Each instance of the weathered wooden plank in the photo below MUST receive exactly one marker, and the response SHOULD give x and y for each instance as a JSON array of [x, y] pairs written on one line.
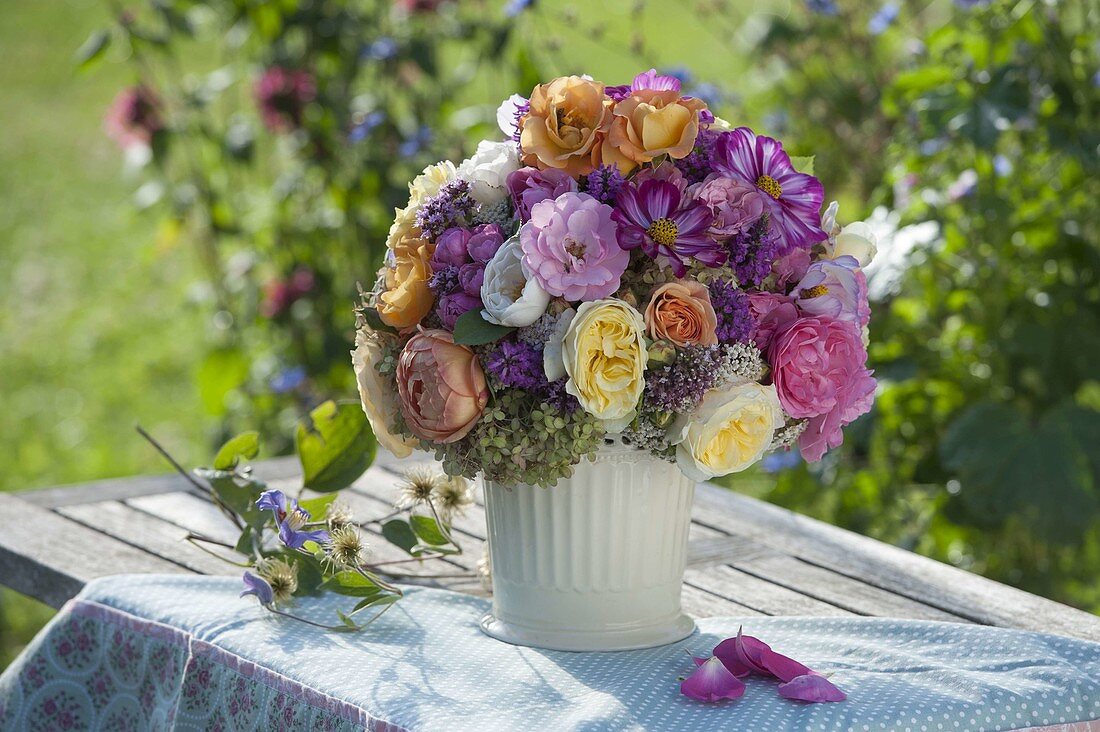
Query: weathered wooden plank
[[760, 595], [121, 488], [188, 511], [147, 533], [50, 557], [891, 568], [702, 604]]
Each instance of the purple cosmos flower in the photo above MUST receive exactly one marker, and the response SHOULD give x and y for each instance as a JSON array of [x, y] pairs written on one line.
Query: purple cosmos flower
[[793, 198], [711, 681], [664, 223], [291, 518], [258, 586], [834, 288]]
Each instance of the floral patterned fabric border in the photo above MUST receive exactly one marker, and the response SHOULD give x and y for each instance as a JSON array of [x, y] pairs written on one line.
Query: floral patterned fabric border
[[185, 653]]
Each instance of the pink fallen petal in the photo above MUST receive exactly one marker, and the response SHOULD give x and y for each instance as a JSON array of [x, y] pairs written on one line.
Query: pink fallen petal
[[811, 688], [699, 661], [742, 655], [711, 682], [783, 667]]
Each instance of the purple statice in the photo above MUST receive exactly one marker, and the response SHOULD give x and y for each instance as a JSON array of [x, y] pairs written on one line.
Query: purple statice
[[446, 280], [556, 396], [678, 387], [731, 305], [751, 253], [452, 206], [517, 364], [696, 166], [604, 183]]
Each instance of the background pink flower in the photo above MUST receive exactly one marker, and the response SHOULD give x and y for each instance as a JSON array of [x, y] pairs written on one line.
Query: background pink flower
[[441, 387], [819, 370], [133, 117], [282, 95], [571, 248]]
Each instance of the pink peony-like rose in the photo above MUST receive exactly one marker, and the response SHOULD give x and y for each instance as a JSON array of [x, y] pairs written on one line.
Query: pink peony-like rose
[[571, 248], [735, 205], [484, 242], [529, 186], [770, 313], [791, 268], [441, 387], [819, 367]]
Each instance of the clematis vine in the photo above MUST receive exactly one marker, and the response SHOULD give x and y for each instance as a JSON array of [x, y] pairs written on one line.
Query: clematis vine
[[291, 519]]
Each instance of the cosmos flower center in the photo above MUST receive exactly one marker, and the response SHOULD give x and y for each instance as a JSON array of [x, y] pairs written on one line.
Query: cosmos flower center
[[770, 186], [663, 231], [815, 291]]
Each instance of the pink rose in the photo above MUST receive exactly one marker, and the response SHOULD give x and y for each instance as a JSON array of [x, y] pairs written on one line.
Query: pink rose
[[819, 367], [791, 268], [529, 186], [770, 313], [441, 387], [735, 205]]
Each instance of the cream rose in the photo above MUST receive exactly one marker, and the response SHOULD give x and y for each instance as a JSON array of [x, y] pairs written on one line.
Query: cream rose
[[604, 353], [510, 295], [729, 430], [858, 240], [424, 186], [377, 394]]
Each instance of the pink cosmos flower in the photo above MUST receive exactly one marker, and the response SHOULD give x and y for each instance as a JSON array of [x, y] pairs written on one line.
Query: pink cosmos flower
[[282, 95], [834, 288], [441, 387], [734, 204], [661, 219], [571, 248], [529, 186], [133, 117], [793, 198], [819, 370]]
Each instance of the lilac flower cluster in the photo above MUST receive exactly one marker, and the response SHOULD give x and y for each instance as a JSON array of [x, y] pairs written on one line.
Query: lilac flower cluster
[[731, 305], [698, 163], [679, 386], [517, 364], [458, 266], [452, 206], [751, 254], [604, 183]]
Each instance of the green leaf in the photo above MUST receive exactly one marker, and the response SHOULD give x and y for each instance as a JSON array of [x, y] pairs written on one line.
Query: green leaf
[[803, 164], [386, 599], [317, 506], [399, 533], [335, 446], [374, 320], [352, 584], [244, 544], [473, 330], [221, 372], [92, 49], [427, 529], [238, 494], [245, 445]]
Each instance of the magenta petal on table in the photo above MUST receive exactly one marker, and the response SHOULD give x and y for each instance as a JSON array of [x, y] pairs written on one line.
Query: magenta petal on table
[[741, 655], [711, 682], [811, 688], [782, 667]]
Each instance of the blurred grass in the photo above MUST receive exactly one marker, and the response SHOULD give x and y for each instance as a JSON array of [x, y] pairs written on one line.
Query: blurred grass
[[95, 332]]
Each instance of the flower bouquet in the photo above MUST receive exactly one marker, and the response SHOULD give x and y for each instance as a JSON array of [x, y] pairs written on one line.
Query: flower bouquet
[[622, 297]]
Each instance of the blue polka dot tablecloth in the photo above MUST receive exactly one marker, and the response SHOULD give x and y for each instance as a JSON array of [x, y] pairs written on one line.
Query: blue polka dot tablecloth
[[156, 652]]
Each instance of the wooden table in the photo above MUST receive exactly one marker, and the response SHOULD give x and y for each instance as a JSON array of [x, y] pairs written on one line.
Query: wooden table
[[746, 557]]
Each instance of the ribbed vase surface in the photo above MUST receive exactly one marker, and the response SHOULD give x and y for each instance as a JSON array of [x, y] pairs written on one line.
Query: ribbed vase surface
[[594, 563]]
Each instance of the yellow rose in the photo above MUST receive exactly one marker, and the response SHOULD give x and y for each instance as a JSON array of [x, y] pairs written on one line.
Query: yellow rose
[[651, 123], [378, 395], [729, 430], [604, 354], [424, 186], [407, 298]]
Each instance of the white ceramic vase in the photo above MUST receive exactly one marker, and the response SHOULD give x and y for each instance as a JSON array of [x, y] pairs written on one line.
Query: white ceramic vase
[[596, 562]]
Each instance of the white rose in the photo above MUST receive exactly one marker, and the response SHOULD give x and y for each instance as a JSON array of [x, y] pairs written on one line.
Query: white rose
[[507, 113], [730, 430], [510, 295], [423, 186], [378, 395], [858, 240], [828, 220], [553, 360], [487, 170]]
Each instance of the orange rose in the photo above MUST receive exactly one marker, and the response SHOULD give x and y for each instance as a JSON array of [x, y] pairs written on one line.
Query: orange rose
[[651, 123], [565, 125], [407, 298], [681, 312], [441, 387]]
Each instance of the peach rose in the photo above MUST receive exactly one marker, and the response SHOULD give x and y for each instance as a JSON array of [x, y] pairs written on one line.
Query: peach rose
[[651, 123], [565, 125], [441, 387], [407, 298], [681, 312]]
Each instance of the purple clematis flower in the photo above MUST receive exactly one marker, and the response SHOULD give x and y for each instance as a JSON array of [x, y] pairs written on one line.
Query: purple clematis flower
[[664, 222], [291, 518], [793, 199], [711, 682], [258, 586]]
